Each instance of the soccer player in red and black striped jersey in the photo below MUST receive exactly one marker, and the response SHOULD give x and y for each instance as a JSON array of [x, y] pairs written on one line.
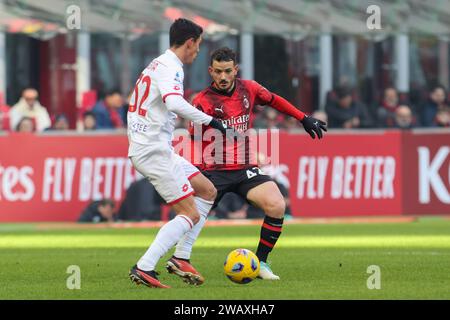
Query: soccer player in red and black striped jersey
[[231, 100]]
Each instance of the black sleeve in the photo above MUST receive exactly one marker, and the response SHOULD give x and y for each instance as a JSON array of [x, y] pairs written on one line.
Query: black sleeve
[[86, 216], [365, 118], [336, 115], [89, 213]]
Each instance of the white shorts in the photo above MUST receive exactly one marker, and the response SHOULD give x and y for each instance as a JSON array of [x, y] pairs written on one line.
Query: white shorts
[[168, 172]]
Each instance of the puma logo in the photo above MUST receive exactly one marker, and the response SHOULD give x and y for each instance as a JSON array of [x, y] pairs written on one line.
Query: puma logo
[[219, 109]]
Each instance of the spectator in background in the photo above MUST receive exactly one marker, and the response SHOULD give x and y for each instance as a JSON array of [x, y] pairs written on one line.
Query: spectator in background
[[290, 123], [99, 211], [320, 115], [437, 101], [60, 123], [403, 117], [386, 112], [268, 119], [29, 106], [272, 119], [443, 118], [26, 124], [265, 117], [345, 112], [231, 206], [108, 111], [89, 121], [259, 117]]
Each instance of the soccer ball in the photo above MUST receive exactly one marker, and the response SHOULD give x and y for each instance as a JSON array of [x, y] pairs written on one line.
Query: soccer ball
[[241, 266]]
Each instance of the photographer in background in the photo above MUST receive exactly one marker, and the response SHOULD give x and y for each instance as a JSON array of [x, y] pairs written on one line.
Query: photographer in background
[[99, 211]]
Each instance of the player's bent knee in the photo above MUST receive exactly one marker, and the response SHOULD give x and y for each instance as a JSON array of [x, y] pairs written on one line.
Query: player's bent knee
[[209, 192], [204, 188], [187, 207], [195, 217], [275, 208]]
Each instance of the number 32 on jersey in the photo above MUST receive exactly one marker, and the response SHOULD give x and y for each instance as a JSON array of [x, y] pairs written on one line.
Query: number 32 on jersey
[[142, 85]]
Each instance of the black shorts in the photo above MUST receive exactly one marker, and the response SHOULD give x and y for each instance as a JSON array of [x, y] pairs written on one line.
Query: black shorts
[[237, 181]]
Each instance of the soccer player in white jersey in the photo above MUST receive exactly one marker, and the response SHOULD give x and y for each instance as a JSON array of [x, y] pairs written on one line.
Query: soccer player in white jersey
[[154, 105]]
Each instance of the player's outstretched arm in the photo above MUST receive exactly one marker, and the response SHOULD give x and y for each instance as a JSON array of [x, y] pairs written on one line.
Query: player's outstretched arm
[[311, 125], [177, 104]]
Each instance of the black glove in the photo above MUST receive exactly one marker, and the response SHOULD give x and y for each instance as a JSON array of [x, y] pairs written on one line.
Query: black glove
[[219, 125], [312, 125]]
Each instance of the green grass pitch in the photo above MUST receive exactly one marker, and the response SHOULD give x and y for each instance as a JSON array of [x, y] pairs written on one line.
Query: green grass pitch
[[314, 261]]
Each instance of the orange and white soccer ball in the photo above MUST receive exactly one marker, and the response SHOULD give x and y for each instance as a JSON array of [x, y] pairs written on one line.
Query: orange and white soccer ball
[[241, 266]]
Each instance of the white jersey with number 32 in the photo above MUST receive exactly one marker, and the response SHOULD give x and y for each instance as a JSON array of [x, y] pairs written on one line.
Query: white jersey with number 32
[[149, 120]]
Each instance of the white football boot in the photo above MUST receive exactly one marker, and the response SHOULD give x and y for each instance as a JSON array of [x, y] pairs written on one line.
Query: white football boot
[[266, 273]]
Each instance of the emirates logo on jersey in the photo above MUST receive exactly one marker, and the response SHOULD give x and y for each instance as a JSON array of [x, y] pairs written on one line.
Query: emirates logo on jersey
[[239, 123], [245, 102]]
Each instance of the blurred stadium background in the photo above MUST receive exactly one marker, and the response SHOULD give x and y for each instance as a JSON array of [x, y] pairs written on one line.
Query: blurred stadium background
[[392, 160]]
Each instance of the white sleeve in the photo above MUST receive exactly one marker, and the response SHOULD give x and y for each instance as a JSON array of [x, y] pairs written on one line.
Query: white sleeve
[[170, 82], [177, 104]]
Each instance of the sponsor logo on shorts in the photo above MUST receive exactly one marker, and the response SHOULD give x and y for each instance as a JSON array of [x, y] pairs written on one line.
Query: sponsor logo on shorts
[[254, 172], [251, 174]]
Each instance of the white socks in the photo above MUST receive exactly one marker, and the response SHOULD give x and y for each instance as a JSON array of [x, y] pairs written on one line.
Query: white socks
[[184, 246], [166, 238]]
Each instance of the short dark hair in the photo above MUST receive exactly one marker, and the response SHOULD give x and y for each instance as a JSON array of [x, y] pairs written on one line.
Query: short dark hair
[[103, 93], [183, 29], [112, 91], [437, 86], [343, 91], [223, 54], [61, 116], [106, 202], [89, 114]]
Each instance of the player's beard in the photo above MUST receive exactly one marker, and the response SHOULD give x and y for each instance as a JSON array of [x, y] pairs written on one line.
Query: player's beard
[[227, 89]]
